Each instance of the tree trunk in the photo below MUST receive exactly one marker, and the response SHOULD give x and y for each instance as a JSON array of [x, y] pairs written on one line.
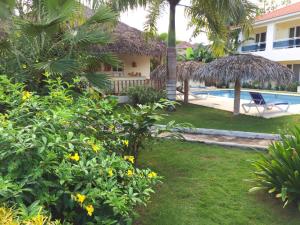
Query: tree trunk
[[237, 97], [186, 91], [171, 54]]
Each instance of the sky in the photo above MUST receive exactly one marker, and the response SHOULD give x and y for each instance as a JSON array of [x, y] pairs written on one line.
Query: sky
[[136, 18]]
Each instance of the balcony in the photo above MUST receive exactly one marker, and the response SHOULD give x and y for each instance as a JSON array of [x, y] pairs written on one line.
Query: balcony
[[254, 47], [286, 43]]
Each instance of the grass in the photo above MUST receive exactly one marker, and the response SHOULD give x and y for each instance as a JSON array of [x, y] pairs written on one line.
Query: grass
[[204, 117], [204, 185]]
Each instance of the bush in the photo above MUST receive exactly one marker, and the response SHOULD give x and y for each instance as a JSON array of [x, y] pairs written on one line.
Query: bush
[[69, 155], [278, 171], [145, 95], [31, 216]]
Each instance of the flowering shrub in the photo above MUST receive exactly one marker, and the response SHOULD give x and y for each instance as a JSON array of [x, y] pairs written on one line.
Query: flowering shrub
[[66, 154]]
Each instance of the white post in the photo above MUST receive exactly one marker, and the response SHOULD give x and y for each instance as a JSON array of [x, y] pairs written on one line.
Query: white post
[[241, 38], [270, 36]]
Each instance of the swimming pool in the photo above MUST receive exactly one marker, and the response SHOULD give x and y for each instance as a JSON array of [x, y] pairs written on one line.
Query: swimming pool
[[269, 97]]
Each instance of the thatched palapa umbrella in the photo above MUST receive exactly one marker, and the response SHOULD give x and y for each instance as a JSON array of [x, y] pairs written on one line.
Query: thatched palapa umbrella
[[243, 67], [184, 71]]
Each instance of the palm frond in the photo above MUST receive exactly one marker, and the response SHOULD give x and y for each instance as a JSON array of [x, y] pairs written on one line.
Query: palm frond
[[94, 60], [154, 10], [102, 15], [99, 80], [60, 66], [84, 36], [6, 8]]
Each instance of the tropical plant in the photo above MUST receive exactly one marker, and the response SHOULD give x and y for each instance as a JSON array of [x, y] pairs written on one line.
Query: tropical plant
[[201, 53], [13, 216], [55, 37], [224, 34], [278, 172], [139, 125], [145, 95], [69, 156]]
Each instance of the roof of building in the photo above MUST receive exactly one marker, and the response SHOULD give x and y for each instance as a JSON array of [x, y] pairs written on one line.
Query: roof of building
[[129, 40], [290, 9]]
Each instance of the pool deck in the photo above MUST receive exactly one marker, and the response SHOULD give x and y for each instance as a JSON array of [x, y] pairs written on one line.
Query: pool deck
[[226, 104]]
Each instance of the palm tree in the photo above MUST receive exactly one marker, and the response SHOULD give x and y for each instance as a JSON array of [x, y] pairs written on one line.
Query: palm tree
[[55, 38], [204, 14]]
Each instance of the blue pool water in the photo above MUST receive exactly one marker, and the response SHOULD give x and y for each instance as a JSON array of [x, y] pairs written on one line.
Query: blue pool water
[[269, 97]]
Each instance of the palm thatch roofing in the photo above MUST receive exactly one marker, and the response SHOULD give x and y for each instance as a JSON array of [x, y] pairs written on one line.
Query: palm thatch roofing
[[243, 67], [129, 40], [184, 71]]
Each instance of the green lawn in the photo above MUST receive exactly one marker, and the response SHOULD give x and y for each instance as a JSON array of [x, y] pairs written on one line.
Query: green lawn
[[204, 117], [204, 185]]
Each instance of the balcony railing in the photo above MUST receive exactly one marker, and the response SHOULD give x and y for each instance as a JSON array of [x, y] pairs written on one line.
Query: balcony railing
[[255, 47], [287, 43]]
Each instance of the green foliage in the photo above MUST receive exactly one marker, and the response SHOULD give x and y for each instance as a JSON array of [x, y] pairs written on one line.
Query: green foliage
[[278, 172], [145, 95], [138, 124], [68, 155], [35, 216], [55, 38], [201, 53]]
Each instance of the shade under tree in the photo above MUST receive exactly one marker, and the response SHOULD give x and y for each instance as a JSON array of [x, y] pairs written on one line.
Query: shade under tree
[[243, 68], [184, 71]]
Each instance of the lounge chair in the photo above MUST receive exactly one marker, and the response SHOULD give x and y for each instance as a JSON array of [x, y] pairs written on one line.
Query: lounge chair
[[199, 96], [257, 100]]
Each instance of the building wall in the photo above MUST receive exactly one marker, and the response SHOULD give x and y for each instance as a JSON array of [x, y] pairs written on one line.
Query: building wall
[[142, 65], [282, 29]]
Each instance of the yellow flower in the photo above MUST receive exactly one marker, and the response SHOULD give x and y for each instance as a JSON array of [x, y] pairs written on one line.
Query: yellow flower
[[74, 157], [110, 172], [96, 148], [152, 175], [80, 198], [26, 95], [129, 173], [89, 209], [24, 66], [130, 158], [125, 142]]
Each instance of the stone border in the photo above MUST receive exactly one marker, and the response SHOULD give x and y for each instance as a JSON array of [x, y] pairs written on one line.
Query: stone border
[[229, 133]]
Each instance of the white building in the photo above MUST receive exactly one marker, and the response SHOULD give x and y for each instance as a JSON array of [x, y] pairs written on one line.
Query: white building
[[276, 36]]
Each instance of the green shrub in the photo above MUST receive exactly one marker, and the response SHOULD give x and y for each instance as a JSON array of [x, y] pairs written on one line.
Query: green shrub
[[278, 171], [69, 154], [145, 95], [32, 215]]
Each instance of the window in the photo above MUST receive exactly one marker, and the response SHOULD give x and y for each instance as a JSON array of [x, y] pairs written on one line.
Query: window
[[261, 37], [294, 36]]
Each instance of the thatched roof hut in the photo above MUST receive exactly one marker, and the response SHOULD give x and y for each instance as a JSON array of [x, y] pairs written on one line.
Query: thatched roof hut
[[129, 40], [184, 71], [243, 67]]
